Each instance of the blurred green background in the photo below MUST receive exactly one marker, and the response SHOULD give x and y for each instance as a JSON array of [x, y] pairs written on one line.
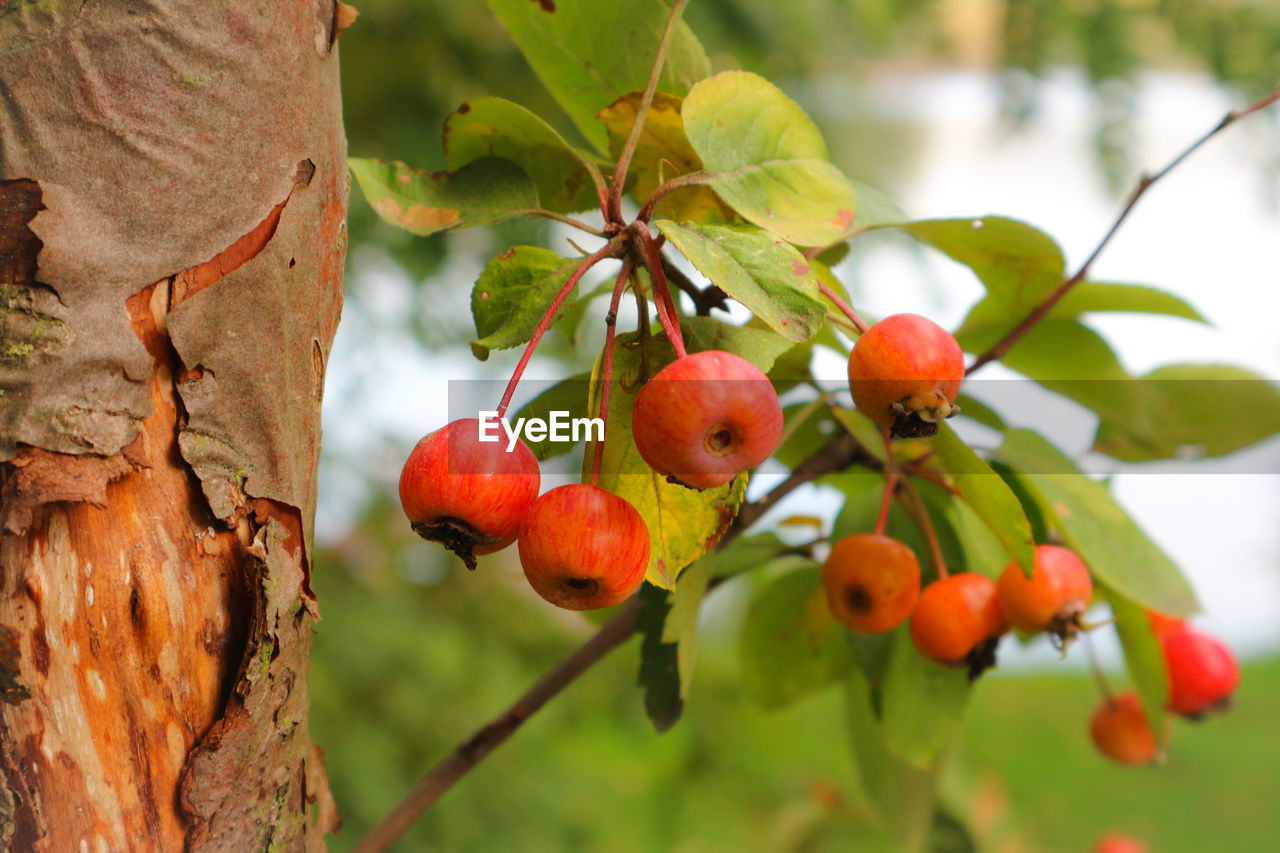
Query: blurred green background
[[414, 653]]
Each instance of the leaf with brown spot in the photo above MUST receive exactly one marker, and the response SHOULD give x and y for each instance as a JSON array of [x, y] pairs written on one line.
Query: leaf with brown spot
[[483, 192]]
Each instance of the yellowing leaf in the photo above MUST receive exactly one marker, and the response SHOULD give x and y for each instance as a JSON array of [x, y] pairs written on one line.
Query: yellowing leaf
[[662, 153]]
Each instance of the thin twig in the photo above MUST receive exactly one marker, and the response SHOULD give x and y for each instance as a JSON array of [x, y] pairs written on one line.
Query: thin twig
[[704, 298], [606, 371], [467, 755], [614, 211], [567, 220], [1002, 346], [845, 308], [690, 179], [608, 250], [662, 301], [926, 526], [890, 483]]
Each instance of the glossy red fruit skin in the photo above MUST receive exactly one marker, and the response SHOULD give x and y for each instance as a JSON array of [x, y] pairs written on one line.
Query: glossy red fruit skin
[[905, 373], [704, 419], [1053, 598], [583, 547], [1203, 672], [1120, 731], [954, 616], [467, 494], [1115, 842], [872, 582]]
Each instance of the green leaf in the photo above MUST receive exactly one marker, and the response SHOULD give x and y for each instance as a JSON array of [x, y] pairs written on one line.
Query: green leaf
[[1193, 411], [589, 53], [682, 621], [481, 193], [662, 152], [1018, 263], [904, 795], [683, 523], [976, 410], [1090, 296], [748, 552], [923, 703], [987, 495], [767, 160], [1143, 657], [861, 428], [567, 395], [494, 127], [512, 293], [763, 272], [977, 548], [791, 644], [1094, 526], [659, 673], [1092, 376], [758, 346]]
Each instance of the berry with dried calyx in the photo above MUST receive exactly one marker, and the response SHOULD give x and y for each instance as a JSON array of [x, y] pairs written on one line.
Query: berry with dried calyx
[[905, 373], [466, 494], [958, 620], [583, 547], [1053, 599]]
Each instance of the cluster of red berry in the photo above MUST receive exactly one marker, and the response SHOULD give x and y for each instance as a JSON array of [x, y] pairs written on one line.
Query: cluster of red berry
[[700, 422], [1202, 674]]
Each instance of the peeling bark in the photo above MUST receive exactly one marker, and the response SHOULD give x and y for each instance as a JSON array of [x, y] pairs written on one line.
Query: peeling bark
[[173, 195]]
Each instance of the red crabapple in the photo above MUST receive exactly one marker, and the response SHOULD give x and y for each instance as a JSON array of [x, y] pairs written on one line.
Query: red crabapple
[[1053, 599], [958, 620], [583, 547], [1203, 672], [1120, 730], [466, 494], [872, 582], [705, 418], [904, 374]]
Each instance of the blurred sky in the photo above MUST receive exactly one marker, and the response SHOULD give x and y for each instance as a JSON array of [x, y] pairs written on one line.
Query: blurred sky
[[1208, 232]]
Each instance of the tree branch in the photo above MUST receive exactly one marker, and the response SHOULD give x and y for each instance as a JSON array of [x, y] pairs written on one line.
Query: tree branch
[[1018, 332], [614, 213]]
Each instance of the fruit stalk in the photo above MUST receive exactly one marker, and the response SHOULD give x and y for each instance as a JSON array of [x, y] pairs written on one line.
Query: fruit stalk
[[611, 325], [661, 293], [608, 250]]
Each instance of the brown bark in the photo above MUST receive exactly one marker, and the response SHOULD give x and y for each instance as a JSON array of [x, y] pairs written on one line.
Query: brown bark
[[172, 203]]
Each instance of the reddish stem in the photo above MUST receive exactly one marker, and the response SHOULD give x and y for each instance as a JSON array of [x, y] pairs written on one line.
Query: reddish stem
[[926, 527], [607, 250], [845, 308], [611, 325], [689, 180], [891, 481], [661, 293], [613, 209], [1018, 332]]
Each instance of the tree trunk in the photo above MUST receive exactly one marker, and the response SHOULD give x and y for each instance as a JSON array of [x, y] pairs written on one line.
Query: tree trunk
[[173, 192]]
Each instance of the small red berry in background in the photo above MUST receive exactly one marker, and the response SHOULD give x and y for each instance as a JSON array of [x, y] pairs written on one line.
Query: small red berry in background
[[466, 494], [958, 619], [1203, 672], [1116, 842], [872, 582], [1121, 732], [583, 547], [1053, 599], [705, 418], [905, 374]]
